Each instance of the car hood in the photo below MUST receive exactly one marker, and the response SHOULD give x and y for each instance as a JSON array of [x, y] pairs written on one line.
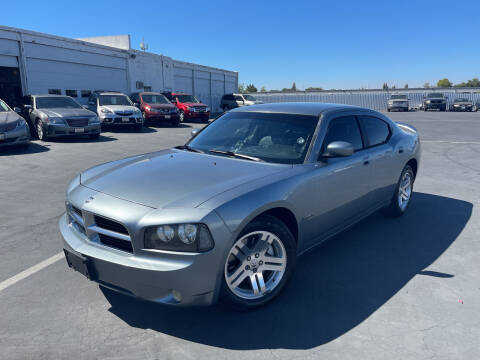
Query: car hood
[[114, 108], [398, 100], [462, 103], [60, 112], [174, 178], [8, 116]]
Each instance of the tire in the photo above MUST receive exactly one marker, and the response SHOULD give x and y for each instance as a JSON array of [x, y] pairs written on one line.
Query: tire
[[243, 268], [174, 123], [181, 116], [225, 108], [138, 127], [396, 208], [425, 108], [40, 133], [388, 110]]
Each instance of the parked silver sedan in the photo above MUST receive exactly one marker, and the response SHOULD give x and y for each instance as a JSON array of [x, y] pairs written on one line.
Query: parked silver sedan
[[14, 129], [225, 216]]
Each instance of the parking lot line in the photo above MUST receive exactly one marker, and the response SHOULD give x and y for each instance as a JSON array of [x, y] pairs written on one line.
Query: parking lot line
[[30, 271], [451, 142]]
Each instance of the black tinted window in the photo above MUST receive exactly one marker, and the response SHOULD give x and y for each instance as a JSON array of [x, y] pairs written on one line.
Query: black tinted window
[[344, 129], [377, 130]]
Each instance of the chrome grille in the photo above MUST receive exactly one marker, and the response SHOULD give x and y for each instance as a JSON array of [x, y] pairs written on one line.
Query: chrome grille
[[116, 243], [199, 108], [124, 113]]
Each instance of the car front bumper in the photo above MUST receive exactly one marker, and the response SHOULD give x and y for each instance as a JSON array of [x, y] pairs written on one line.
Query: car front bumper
[[462, 107], [397, 107], [435, 106], [14, 137], [121, 120], [197, 115], [54, 130], [162, 116], [173, 278]]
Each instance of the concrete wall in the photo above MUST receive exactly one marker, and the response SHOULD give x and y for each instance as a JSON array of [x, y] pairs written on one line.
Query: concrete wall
[[52, 62]]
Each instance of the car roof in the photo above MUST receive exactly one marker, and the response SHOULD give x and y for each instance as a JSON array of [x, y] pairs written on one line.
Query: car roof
[[110, 93], [299, 108], [49, 95], [149, 93]]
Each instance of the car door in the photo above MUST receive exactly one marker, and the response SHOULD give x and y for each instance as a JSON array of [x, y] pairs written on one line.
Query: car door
[[383, 170], [341, 183]]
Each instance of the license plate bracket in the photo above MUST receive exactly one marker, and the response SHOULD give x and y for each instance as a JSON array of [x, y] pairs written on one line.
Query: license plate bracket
[[125, 119], [167, 116], [79, 130], [82, 264], [2, 136]]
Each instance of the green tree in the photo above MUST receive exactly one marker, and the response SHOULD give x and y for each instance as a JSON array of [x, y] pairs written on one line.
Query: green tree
[[426, 85], [313, 89], [470, 83], [385, 86], [406, 86], [262, 89], [241, 88], [251, 89], [294, 87], [444, 83]]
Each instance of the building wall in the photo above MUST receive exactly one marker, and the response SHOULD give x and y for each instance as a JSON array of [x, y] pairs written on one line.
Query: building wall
[[51, 62]]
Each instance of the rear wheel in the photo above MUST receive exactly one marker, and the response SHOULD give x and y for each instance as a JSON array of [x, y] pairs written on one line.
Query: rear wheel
[[259, 264], [403, 192]]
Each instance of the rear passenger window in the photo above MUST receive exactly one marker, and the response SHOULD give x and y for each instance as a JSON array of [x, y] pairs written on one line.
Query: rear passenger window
[[377, 130], [344, 129]]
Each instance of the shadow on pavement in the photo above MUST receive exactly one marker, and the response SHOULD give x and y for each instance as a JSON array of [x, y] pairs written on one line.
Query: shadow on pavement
[[333, 289], [81, 139], [128, 129], [32, 148]]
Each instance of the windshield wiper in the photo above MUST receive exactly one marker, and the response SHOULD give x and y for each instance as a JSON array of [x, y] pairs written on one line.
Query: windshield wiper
[[188, 148], [234, 154]]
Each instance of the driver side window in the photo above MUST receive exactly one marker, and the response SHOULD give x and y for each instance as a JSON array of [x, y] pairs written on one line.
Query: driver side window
[[343, 129]]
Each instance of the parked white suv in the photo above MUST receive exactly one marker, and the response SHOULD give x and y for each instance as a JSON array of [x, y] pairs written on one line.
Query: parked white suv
[[232, 101], [114, 108]]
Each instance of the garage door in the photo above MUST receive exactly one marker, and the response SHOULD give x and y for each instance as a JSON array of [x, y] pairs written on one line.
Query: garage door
[[51, 74]]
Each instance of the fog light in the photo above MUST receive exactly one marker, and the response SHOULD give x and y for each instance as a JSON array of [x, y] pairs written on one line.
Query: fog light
[[176, 295]]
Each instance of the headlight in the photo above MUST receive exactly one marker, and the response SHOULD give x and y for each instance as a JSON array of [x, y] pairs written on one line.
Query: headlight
[[428, 101], [180, 237], [106, 111], [94, 120], [137, 111], [52, 120], [148, 108]]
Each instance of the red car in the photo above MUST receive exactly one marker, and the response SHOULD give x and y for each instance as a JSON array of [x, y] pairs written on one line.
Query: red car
[[189, 107], [155, 107]]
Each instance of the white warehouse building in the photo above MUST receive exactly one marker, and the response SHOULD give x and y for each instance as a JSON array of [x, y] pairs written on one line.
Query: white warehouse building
[[36, 63]]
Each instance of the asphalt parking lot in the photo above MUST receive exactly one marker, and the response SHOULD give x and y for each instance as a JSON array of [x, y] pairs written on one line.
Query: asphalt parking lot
[[387, 288]]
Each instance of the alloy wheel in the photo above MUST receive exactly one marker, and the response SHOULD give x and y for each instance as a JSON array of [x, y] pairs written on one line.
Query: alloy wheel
[[255, 265], [405, 190], [39, 130]]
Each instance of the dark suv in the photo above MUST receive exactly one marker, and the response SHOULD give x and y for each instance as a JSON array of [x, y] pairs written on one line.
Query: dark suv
[[435, 101], [155, 107]]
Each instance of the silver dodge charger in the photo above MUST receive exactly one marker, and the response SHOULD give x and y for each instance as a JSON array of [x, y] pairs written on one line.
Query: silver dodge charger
[[225, 216]]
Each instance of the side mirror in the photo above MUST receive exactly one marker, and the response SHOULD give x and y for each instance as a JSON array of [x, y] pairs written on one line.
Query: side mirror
[[17, 110], [194, 132], [28, 107], [136, 104], [339, 149]]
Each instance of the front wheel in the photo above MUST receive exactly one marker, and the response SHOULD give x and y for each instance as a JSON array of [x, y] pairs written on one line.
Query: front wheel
[[181, 116], [138, 127], [258, 264], [403, 192], [40, 133]]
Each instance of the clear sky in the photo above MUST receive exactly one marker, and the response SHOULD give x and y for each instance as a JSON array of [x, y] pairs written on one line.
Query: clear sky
[[329, 44]]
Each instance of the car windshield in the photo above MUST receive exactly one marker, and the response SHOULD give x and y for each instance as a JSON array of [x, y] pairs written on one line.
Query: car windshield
[[249, 98], [155, 99], [56, 102], [435, 95], [187, 99], [3, 107], [402, 97], [276, 138], [461, 100], [114, 100]]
